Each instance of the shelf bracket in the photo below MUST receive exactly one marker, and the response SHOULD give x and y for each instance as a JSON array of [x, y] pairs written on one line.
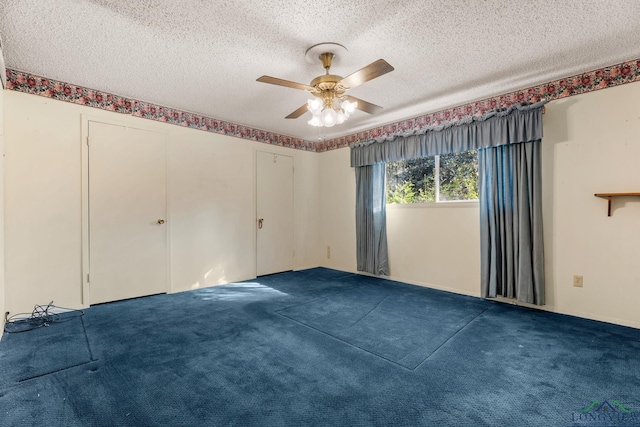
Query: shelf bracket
[[610, 196]]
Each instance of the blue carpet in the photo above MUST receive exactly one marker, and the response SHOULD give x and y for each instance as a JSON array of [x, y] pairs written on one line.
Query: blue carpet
[[320, 347], [414, 323], [52, 348]]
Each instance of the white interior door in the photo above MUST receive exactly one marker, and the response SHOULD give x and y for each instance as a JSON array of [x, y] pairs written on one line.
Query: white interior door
[[274, 213], [127, 213]]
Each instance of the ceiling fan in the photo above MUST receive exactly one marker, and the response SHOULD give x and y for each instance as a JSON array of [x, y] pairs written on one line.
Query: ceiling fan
[[331, 104]]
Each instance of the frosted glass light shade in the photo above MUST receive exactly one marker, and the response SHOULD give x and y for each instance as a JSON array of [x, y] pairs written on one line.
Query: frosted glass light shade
[[315, 120], [348, 107], [329, 117], [314, 106], [324, 116]]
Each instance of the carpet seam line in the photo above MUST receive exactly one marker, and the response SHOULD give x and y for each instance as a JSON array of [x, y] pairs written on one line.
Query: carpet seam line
[[452, 336], [316, 299], [86, 338], [369, 312], [55, 372], [344, 342]]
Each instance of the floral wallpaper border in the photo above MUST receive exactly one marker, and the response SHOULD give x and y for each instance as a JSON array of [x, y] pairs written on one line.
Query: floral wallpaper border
[[615, 75], [42, 86]]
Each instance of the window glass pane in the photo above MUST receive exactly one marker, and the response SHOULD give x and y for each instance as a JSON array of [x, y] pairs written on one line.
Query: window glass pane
[[414, 181], [411, 181], [459, 176]]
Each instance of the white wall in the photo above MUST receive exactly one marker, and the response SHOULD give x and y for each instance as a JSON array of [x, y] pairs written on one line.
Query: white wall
[[427, 244], [211, 202], [591, 145], [443, 239], [338, 210]]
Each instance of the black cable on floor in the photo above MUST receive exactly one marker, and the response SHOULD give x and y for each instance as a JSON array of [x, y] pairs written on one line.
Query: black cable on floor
[[42, 315]]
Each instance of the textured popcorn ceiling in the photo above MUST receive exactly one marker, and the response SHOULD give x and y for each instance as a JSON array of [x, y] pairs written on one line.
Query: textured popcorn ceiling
[[204, 56]]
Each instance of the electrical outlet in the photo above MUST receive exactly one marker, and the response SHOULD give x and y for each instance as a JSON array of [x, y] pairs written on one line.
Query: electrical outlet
[[328, 252], [577, 281]]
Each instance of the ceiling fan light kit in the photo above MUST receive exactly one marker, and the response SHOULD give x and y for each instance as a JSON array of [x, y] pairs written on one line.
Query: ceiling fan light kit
[[328, 110], [330, 105]]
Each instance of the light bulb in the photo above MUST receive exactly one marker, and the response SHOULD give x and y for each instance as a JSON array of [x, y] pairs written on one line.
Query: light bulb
[[348, 107], [341, 117], [329, 117], [315, 120], [314, 105]]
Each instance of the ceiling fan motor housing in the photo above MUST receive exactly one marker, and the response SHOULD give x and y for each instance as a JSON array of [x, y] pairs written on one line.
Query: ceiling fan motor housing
[[328, 88]]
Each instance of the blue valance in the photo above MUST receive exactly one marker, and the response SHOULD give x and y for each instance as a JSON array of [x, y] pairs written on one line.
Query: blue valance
[[518, 123]]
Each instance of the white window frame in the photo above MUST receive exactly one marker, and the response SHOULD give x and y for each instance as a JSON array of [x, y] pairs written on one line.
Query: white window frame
[[437, 203]]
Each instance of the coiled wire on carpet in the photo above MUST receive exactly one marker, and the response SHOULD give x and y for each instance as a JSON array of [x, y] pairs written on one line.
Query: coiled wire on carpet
[[42, 315]]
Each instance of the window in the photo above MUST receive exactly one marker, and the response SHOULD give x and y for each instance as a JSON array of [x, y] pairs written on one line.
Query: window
[[442, 178]]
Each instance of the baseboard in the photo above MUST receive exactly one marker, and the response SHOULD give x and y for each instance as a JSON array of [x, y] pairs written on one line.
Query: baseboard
[[438, 287], [574, 313], [415, 283], [549, 308]]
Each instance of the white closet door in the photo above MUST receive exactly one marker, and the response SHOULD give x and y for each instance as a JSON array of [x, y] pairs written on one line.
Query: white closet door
[[274, 213], [127, 213]]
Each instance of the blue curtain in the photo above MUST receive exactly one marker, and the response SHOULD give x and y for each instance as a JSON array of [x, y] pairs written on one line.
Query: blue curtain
[[508, 143], [371, 220], [512, 257], [518, 123]]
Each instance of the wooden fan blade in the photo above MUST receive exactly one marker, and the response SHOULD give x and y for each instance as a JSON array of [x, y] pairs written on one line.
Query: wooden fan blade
[[365, 106], [286, 83], [300, 111], [370, 72]]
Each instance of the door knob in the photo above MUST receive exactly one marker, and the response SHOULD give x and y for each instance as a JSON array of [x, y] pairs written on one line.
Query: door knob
[[260, 221], [161, 221]]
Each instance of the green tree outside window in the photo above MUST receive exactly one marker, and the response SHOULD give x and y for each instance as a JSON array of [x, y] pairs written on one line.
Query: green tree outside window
[[447, 177]]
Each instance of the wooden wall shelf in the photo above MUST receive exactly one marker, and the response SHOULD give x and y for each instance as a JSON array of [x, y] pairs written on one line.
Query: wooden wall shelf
[[610, 196]]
